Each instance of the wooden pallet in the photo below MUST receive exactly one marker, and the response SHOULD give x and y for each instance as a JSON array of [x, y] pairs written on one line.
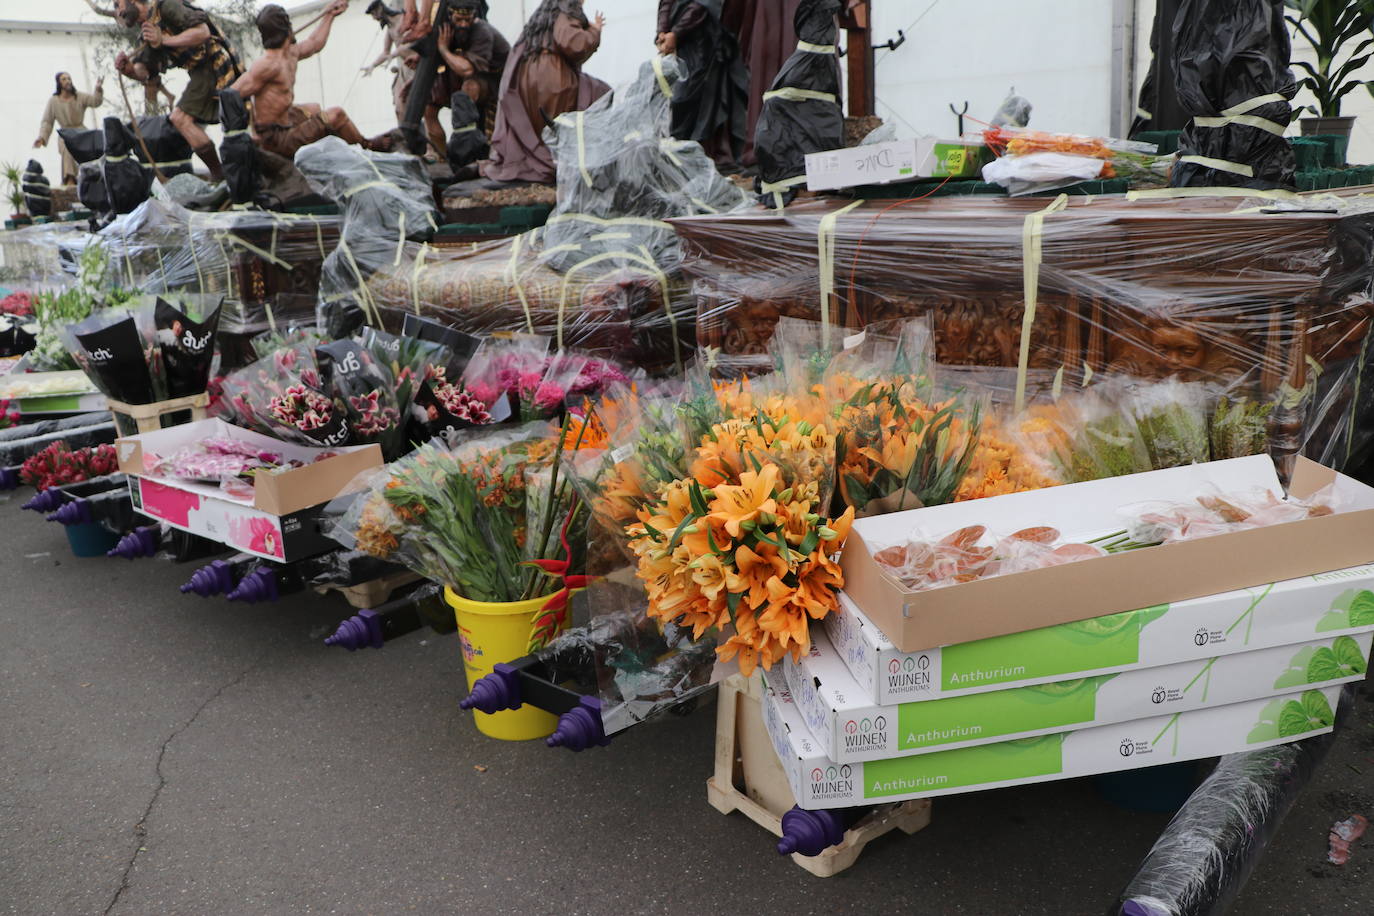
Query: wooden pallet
[[371, 594], [749, 779]]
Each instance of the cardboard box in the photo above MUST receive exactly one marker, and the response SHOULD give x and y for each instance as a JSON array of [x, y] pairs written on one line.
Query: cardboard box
[[848, 727], [1121, 582], [278, 523], [1279, 614], [896, 160], [819, 782]]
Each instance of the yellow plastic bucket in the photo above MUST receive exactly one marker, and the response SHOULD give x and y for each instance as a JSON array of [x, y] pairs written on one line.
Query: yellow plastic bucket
[[492, 632]]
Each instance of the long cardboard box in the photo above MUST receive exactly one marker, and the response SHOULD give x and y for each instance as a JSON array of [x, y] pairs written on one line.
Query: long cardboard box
[[895, 160], [819, 782], [278, 523], [849, 728], [1276, 614], [1106, 585]]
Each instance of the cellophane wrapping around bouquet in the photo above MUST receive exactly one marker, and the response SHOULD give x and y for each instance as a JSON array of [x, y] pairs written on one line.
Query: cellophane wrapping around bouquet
[[601, 276], [1267, 301], [460, 515]]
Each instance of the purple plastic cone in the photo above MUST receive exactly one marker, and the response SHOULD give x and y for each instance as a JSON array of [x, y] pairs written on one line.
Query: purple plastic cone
[[76, 512], [211, 579], [44, 501], [494, 692], [360, 631], [810, 832], [580, 727], [141, 542], [258, 585]]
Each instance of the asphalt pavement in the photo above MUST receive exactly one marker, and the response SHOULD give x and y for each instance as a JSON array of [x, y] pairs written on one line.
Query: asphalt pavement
[[167, 754]]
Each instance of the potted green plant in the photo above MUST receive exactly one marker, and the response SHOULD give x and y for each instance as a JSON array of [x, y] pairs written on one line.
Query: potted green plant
[[15, 177], [1339, 32]]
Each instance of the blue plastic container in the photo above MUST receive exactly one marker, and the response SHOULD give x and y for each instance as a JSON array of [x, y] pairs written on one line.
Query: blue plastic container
[[91, 539]]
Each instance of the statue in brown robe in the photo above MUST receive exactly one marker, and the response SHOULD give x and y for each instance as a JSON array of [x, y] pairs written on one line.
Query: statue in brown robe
[[766, 38], [543, 79]]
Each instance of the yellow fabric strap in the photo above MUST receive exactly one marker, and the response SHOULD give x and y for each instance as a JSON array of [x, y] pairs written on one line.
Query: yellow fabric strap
[[513, 270], [271, 318], [582, 149], [662, 79], [809, 48], [770, 187], [235, 133], [792, 94], [1169, 193], [364, 294], [1142, 113], [1251, 104], [703, 205], [195, 258], [464, 130], [400, 239], [1032, 253], [116, 158], [825, 254], [265, 255], [602, 236], [633, 135], [617, 221], [415, 275], [1087, 375], [379, 182], [1058, 387], [1264, 124], [1220, 165]]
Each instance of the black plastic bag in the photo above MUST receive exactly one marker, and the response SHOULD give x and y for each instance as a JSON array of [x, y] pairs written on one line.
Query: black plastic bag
[[37, 191], [187, 347], [169, 149], [126, 183], [467, 144], [801, 111], [84, 145], [111, 353], [90, 187], [461, 346], [237, 152], [1231, 55]]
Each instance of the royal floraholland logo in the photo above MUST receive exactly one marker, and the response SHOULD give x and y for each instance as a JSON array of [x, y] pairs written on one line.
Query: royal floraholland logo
[[1158, 696], [1200, 637], [1127, 747]]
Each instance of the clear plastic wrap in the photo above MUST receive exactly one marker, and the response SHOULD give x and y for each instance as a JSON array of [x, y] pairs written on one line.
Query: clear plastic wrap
[[602, 276], [1271, 309], [1203, 858]]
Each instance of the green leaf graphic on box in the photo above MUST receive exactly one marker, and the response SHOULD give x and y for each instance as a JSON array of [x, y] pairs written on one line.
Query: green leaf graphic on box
[[1349, 656], [1268, 727], [1333, 620], [1362, 609], [1295, 675], [1317, 709], [1323, 666]]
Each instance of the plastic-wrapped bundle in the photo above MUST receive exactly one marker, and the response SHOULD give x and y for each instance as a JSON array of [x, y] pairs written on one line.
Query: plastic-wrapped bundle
[[602, 276], [238, 152], [1268, 309], [1203, 858], [126, 184], [467, 143], [37, 190], [801, 110], [169, 149], [90, 187], [387, 199], [1231, 64]]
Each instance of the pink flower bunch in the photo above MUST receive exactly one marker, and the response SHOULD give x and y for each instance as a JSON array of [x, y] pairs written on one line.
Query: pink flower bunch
[[302, 408], [373, 418], [596, 375], [8, 417], [17, 304], [58, 464], [459, 403]]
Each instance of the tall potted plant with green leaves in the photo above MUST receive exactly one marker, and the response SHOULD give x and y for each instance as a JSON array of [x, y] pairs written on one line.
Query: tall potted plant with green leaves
[[15, 178], [1339, 31]]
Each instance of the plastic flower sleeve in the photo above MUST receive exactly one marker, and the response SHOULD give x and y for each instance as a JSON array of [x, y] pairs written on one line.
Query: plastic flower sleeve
[[366, 390], [1172, 418]]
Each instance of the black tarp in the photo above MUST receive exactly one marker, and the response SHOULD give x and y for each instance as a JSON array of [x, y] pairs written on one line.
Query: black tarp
[[801, 110], [126, 183], [37, 191], [714, 96], [170, 152], [85, 145], [468, 143], [237, 151], [1234, 82]]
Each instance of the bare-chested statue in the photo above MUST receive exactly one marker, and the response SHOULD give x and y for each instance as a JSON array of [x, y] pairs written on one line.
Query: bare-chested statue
[[279, 124]]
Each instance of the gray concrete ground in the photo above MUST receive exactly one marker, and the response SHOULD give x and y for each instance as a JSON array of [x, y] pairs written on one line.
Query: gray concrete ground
[[164, 754]]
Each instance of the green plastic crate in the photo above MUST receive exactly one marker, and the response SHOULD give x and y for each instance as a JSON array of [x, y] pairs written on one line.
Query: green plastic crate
[[1167, 140]]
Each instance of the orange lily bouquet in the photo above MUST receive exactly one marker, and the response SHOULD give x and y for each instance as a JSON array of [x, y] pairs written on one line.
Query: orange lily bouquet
[[742, 540]]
